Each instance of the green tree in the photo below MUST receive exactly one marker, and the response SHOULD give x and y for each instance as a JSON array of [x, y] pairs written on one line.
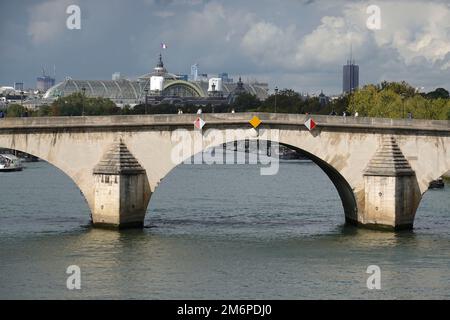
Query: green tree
[[363, 100], [338, 105], [438, 93], [246, 102], [396, 100], [312, 105], [287, 101], [402, 88], [74, 104], [16, 110]]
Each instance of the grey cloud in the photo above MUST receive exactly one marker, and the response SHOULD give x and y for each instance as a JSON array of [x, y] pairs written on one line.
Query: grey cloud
[[299, 44]]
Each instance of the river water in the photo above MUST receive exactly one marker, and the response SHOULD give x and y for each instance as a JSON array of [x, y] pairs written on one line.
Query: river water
[[216, 232]]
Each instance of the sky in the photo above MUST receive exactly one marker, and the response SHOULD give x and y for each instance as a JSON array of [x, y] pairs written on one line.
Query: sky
[[298, 44]]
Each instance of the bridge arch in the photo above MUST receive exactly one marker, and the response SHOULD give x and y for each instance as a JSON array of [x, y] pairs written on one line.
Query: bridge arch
[[51, 149], [342, 185], [58, 166]]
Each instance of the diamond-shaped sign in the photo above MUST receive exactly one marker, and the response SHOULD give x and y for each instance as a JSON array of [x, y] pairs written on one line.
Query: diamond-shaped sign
[[310, 124], [255, 122], [199, 123]]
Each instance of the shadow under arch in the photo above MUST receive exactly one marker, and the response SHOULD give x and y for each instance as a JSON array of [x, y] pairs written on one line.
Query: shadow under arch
[[342, 186], [42, 158], [440, 175]]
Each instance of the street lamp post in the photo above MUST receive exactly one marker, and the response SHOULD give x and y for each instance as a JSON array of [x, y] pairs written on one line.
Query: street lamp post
[[213, 94], [403, 105], [276, 93], [146, 100], [83, 89]]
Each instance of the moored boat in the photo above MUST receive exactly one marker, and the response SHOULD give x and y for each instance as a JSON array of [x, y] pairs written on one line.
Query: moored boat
[[437, 184], [9, 162]]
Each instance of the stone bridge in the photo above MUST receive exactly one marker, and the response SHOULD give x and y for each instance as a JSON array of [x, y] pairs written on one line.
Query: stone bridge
[[380, 167]]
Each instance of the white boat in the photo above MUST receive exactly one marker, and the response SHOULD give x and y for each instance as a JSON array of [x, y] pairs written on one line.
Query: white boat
[[9, 162]]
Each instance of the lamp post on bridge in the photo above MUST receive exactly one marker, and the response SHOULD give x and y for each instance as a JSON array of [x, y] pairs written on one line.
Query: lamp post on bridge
[[83, 89], [146, 99], [403, 95], [276, 93], [213, 94]]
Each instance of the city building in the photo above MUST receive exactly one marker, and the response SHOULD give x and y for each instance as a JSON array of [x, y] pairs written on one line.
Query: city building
[[44, 83], [225, 78], [323, 99], [18, 86], [194, 72], [116, 76], [350, 79], [156, 86], [183, 77]]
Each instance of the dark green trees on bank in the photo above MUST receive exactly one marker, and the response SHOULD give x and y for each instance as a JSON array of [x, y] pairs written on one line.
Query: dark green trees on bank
[[76, 104], [16, 110]]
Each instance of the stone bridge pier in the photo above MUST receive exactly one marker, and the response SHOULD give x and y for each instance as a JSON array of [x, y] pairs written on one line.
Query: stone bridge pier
[[121, 190], [391, 192]]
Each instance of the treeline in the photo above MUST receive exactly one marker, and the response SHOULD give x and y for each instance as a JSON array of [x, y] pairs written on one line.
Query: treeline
[[398, 100], [388, 99]]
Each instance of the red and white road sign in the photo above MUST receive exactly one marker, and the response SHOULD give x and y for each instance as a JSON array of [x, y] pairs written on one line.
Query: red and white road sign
[[199, 123], [310, 124]]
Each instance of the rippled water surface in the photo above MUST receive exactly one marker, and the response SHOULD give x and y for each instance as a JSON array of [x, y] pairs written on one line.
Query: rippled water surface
[[215, 232]]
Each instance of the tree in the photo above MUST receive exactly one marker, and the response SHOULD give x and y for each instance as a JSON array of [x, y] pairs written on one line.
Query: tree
[[401, 88], [438, 93], [76, 103], [287, 101], [338, 105], [246, 102], [396, 100], [363, 100], [312, 105], [126, 110], [16, 110]]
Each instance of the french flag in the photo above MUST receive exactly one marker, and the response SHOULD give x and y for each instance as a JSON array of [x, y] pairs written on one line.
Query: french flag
[[163, 45]]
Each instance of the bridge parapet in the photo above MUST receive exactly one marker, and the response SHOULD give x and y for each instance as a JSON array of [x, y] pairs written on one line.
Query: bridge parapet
[[326, 122]]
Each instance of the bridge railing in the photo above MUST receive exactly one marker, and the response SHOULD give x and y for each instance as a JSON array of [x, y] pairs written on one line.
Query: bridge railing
[[220, 119]]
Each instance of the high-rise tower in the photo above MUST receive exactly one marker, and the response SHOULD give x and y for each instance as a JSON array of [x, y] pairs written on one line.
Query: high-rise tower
[[350, 79]]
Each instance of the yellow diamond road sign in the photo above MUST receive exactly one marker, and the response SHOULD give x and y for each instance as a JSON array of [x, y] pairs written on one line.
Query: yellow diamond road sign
[[255, 122]]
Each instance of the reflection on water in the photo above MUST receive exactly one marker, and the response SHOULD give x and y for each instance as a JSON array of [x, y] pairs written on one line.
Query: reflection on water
[[217, 232]]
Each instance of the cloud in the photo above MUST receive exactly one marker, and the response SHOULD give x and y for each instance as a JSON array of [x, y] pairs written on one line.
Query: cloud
[[48, 20], [414, 34], [300, 43], [269, 45], [418, 31], [164, 14]]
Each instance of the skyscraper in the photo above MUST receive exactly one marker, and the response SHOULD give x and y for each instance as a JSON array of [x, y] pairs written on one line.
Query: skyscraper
[[350, 79], [194, 72]]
